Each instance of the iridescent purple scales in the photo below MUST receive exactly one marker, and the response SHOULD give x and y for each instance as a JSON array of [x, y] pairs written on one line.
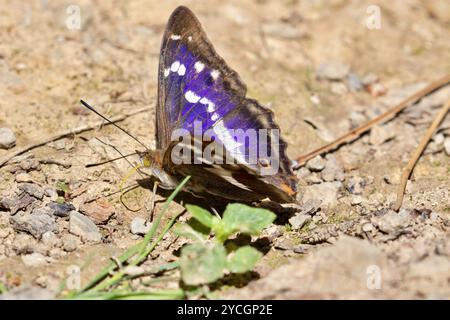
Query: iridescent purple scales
[[196, 85]]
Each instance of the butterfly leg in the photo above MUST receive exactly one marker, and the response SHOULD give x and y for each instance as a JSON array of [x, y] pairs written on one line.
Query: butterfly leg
[[152, 203]]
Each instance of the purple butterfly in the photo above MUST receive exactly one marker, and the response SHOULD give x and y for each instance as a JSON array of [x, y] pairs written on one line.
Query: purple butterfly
[[198, 90]]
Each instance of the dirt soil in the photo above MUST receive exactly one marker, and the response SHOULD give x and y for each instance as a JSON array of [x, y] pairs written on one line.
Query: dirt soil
[[319, 67]]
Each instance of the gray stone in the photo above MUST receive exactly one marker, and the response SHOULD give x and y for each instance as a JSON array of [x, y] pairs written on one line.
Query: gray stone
[[298, 221], [303, 173], [311, 206], [50, 239], [313, 178], [61, 209], [356, 199], [327, 192], [34, 259], [332, 71], [7, 138], [355, 185], [84, 227], [316, 164], [447, 146], [354, 82], [333, 169], [382, 133], [70, 243], [357, 118], [35, 224], [23, 177], [32, 189], [30, 164], [51, 193], [392, 221], [23, 244], [139, 226], [16, 203]]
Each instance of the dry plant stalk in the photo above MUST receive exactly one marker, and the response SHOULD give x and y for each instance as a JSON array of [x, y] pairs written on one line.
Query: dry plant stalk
[[355, 133], [407, 170]]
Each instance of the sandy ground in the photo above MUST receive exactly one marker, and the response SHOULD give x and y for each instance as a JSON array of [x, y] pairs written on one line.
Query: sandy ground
[[304, 59]]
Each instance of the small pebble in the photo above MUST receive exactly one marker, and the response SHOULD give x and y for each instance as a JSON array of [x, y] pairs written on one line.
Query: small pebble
[[61, 209], [7, 138], [316, 164], [447, 146], [23, 177], [298, 221], [34, 259], [333, 170], [99, 211], [33, 190], [51, 193], [84, 227], [355, 185], [368, 227], [35, 224], [326, 191], [30, 165], [311, 206], [356, 200], [303, 172], [17, 203], [382, 133], [139, 226], [70, 243], [313, 179], [332, 71], [50, 239], [354, 83]]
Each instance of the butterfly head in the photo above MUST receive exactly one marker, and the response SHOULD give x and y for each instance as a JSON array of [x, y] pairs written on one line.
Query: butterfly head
[[153, 160]]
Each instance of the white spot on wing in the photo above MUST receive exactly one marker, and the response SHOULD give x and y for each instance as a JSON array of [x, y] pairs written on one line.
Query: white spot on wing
[[182, 70], [175, 37], [215, 74], [191, 96], [215, 116], [174, 67], [211, 106], [199, 66], [189, 38], [166, 72]]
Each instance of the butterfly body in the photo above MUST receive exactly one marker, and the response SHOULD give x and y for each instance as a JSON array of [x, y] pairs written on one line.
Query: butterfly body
[[231, 144]]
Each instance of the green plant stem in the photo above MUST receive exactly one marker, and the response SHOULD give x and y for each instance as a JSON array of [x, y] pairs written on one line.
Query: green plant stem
[[140, 249]]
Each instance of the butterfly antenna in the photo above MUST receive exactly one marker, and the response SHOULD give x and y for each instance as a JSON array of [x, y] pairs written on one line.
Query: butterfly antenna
[[85, 104], [89, 165]]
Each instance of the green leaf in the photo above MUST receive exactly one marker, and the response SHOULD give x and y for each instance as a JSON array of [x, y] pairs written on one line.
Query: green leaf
[[202, 263], [243, 259], [202, 215], [244, 219], [62, 186], [185, 230]]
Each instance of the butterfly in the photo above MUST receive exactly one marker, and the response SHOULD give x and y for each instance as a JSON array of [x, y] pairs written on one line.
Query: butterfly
[[196, 88]]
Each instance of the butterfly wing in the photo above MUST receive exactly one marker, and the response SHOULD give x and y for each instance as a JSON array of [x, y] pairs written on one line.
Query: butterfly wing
[[197, 86]]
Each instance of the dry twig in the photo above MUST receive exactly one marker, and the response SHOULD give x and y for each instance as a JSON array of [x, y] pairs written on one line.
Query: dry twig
[[64, 134], [355, 133], [406, 172]]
